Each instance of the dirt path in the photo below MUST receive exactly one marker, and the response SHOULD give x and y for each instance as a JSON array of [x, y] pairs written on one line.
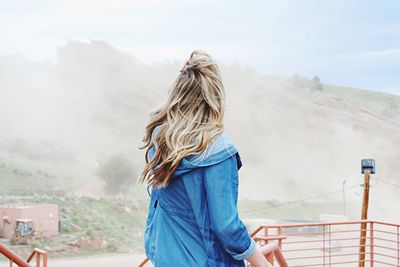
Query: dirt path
[[118, 260]]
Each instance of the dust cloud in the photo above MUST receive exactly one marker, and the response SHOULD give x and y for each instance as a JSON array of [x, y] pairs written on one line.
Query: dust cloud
[[58, 121]]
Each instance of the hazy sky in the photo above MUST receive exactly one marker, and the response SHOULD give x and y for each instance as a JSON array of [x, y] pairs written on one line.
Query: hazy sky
[[354, 43]]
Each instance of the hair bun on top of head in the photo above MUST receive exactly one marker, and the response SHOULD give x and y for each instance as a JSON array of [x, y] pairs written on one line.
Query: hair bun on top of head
[[183, 67], [196, 61]]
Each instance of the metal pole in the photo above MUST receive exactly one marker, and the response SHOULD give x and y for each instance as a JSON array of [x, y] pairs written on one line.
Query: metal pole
[[364, 216]]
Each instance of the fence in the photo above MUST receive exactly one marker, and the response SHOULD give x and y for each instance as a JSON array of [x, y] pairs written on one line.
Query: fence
[[335, 243], [38, 254]]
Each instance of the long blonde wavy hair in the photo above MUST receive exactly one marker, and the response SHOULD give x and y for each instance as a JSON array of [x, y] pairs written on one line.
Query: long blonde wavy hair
[[188, 123]]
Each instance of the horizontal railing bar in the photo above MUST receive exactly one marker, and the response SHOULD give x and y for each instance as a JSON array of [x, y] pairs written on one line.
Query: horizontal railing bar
[[386, 232], [385, 223], [345, 262], [379, 246], [326, 240], [326, 224], [292, 225], [386, 240], [317, 257], [337, 239], [307, 265], [382, 262], [304, 233], [384, 255], [351, 254], [322, 264], [304, 258], [320, 248], [325, 232], [40, 251]]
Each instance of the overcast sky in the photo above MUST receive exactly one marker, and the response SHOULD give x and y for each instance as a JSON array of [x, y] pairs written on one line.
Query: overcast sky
[[347, 42]]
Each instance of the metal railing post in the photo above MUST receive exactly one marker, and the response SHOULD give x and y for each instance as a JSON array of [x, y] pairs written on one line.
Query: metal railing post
[[37, 260], [330, 245], [398, 246], [269, 257], [45, 260], [280, 240], [323, 244], [371, 244]]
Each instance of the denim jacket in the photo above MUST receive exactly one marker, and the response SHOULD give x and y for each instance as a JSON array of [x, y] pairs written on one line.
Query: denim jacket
[[194, 220]]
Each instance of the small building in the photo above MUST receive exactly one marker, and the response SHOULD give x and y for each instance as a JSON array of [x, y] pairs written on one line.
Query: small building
[[44, 217]]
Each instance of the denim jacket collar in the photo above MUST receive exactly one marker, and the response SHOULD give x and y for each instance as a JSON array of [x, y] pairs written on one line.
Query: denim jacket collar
[[219, 150]]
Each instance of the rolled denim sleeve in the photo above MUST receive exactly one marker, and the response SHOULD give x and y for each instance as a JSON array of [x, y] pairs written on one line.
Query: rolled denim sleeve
[[221, 185]]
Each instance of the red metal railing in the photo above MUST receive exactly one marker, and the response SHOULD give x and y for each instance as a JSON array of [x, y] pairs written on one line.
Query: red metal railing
[[39, 254], [270, 250], [144, 262], [14, 258], [335, 243]]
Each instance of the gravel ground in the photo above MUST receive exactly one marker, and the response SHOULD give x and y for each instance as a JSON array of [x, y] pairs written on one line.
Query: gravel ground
[[119, 260]]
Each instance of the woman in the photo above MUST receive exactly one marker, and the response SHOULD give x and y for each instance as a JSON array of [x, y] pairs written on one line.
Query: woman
[[192, 166]]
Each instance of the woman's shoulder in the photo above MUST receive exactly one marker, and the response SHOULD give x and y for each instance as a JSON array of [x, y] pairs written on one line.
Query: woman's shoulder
[[221, 144], [219, 150]]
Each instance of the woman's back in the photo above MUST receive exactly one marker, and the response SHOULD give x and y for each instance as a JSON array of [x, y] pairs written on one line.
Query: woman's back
[[194, 221], [192, 166]]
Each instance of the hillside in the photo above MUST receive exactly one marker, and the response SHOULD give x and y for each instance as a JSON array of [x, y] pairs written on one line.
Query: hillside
[[296, 139], [113, 225]]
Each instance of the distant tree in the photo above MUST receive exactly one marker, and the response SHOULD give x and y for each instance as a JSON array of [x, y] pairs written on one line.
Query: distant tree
[[117, 172], [316, 79], [296, 81], [316, 83]]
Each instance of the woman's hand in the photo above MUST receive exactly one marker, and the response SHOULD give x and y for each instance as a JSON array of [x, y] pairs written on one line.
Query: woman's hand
[[257, 259]]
